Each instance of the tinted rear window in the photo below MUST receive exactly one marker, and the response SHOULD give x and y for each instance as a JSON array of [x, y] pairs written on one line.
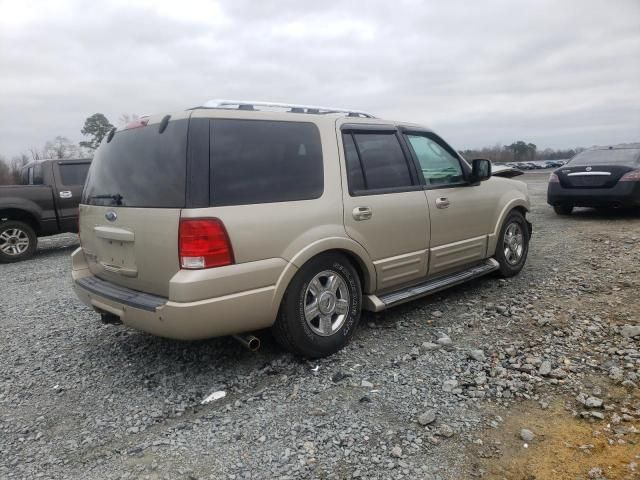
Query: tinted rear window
[[264, 161], [355, 178], [616, 156], [73, 173], [383, 160], [141, 166]]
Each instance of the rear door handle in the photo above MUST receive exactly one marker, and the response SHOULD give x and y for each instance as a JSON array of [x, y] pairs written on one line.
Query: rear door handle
[[66, 194], [442, 202], [362, 213]]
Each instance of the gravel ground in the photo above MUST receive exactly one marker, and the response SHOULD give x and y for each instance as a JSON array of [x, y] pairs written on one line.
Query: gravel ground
[[439, 388]]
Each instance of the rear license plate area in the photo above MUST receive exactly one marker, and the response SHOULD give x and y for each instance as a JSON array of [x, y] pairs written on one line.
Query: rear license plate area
[[588, 181], [116, 256]]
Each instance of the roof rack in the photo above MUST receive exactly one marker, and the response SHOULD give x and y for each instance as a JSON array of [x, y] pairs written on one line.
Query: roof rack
[[293, 108]]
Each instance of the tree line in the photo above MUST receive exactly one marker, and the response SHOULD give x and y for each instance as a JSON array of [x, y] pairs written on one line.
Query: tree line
[[95, 128], [520, 151]]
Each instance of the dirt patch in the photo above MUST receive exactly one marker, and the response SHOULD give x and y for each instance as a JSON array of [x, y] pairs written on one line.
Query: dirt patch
[[566, 445]]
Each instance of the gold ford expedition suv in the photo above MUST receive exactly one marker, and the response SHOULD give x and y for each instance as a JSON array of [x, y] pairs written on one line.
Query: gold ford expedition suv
[[236, 216]]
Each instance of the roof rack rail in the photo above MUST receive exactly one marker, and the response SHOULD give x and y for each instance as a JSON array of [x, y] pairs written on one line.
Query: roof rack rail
[[293, 108]]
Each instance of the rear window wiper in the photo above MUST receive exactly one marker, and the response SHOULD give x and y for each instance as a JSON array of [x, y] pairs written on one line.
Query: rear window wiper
[[116, 197]]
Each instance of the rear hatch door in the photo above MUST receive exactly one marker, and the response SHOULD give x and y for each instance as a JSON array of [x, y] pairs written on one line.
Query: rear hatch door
[[131, 204]]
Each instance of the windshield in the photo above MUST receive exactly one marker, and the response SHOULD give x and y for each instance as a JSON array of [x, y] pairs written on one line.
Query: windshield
[[140, 167], [616, 156]]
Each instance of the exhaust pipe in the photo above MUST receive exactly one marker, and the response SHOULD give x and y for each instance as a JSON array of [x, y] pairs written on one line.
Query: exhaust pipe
[[248, 341]]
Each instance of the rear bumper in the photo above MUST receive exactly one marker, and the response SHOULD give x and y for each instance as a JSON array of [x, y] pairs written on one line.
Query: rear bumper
[[225, 315], [623, 194]]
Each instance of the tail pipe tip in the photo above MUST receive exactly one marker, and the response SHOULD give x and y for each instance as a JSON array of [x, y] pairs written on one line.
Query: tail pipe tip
[[249, 342]]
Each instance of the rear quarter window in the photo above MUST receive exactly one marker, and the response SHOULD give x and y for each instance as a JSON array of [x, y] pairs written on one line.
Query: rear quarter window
[[264, 161]]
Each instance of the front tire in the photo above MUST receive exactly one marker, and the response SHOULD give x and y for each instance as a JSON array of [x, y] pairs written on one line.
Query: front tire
[[563, 209], [321, 308], [513, 244], [18, 241]]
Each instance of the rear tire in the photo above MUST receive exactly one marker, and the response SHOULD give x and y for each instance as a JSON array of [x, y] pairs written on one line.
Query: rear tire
[[18, 241], [321, 307], [563, 209], [513, 244]]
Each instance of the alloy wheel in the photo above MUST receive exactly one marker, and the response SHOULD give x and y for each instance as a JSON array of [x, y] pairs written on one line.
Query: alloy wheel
[[326, 303]]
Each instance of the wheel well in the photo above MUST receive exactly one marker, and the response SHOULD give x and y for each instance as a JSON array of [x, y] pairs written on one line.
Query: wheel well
[[357, 264], [21, 216], [522, 210]]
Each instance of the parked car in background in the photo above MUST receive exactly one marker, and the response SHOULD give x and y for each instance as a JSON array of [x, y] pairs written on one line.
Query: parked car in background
[[523, 166], [239, 216], [505, 170], [554, 163], [598, 177], [45, 204]]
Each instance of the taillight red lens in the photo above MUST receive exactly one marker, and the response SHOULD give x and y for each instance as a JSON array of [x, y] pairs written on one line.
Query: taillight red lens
[[553, 178], [632, 176], [204, 243]]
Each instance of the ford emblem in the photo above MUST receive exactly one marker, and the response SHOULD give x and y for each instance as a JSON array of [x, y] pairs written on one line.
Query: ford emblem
[[111, 216], [588, 169]]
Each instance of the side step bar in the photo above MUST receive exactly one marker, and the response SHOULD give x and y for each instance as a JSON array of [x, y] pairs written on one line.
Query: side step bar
[[431, 286]]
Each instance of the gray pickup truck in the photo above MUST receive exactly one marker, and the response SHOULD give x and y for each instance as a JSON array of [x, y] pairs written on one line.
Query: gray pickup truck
[[46, 203]]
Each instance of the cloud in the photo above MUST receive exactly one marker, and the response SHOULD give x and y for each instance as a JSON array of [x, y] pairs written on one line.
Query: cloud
[[556, 73]]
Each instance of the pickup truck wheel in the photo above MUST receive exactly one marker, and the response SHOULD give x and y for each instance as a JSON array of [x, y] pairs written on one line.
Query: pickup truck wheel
[[513, 244], [321, 308], [18, 241]]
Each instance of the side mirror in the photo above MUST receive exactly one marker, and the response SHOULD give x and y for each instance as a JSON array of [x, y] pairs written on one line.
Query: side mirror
[[480, 170]]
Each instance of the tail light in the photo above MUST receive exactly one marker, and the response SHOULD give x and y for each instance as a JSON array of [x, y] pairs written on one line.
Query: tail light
[[553, 178], [632, 176], [204, 243]]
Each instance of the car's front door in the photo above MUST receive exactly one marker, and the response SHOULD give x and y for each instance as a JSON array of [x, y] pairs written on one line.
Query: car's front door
[[385, 208], [460, 213]]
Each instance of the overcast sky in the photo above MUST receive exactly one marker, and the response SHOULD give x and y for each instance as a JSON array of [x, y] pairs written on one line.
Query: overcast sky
[[555, 73]]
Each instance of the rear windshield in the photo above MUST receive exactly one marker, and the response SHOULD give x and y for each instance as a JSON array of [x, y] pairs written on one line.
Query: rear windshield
[[616, 156], [140, 167]]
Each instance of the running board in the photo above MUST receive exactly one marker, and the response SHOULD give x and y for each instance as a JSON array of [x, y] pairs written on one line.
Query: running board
[[433, 286]]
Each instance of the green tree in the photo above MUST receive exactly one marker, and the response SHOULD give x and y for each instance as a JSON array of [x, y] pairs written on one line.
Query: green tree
[[96, 127], [522, 151]]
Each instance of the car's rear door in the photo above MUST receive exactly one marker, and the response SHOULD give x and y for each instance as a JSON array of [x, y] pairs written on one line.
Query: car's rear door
[[69, 177], [385, 209]]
